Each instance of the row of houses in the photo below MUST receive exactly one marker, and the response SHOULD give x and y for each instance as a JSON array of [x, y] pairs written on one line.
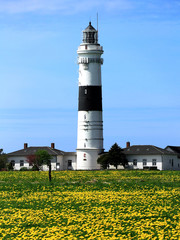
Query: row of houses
[[138, 156], [60, 160], [149, 156]]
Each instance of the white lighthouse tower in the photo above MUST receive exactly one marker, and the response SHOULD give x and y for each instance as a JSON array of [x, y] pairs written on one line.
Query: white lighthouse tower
[[90, 123]]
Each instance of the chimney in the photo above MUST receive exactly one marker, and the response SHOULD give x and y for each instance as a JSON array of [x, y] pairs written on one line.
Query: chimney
[[52, 145], [25, 145], [128, 144]]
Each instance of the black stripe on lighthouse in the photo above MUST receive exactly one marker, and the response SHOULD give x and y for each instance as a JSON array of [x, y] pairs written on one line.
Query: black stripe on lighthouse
[[90, 98]]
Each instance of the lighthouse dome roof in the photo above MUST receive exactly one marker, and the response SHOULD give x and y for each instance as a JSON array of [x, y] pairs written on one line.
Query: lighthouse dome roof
[[90, 28]]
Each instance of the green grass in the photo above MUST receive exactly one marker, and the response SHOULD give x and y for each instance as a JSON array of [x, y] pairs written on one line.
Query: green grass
[[90, 205]]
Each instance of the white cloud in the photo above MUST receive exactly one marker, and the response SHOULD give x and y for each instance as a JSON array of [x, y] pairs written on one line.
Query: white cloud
[[64, 6], [20, 6], [70, 7]]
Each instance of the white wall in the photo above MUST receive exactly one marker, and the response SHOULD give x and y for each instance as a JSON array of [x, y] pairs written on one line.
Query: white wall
[[149, 159], [171, 162], [87, 159], [163, 162], [90, 74], [53, 164], [60, 162], [90, 130], [17, 160], [73, 160]]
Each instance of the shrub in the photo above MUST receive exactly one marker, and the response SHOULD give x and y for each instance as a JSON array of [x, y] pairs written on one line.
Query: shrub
[[34, 168], [10, 166], [24, 169]]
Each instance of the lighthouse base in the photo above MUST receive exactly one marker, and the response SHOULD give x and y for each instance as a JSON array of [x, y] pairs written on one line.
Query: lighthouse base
[[87, 159]]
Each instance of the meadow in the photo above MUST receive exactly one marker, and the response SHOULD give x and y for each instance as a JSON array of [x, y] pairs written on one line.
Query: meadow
[[90, 205]]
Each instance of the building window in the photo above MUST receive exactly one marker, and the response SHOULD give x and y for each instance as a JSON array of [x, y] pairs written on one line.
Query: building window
[[84, 116], [13, 163], [85, 91], [21, 163], [144, 162], [69, 164], [135, 162], [172, 163], [84, 144], [154, 162]]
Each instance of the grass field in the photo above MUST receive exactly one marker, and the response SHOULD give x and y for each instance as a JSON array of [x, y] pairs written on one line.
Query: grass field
[[90, 205]]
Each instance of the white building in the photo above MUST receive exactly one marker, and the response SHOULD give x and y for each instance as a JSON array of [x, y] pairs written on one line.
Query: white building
[[138, 156], [90, 122], [60, 160], [151, 157], [174, 149]]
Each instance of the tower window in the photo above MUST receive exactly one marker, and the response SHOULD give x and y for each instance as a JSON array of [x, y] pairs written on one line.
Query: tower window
[[85, 91], [84, 144], [84, 116]]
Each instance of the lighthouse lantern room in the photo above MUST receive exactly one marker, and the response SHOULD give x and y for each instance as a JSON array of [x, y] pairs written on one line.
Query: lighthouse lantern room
[[90, 122]]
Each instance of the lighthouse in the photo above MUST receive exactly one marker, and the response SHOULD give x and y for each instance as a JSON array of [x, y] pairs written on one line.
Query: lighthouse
[[90, 121]]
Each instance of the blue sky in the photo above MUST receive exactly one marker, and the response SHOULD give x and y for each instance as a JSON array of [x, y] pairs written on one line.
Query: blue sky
[[39, 74]]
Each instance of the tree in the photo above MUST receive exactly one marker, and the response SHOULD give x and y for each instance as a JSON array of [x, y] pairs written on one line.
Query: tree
[[103, 160], [10, 166], [116, 156], [40, 158], [43, 157], [33, 161], [3, 160]]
